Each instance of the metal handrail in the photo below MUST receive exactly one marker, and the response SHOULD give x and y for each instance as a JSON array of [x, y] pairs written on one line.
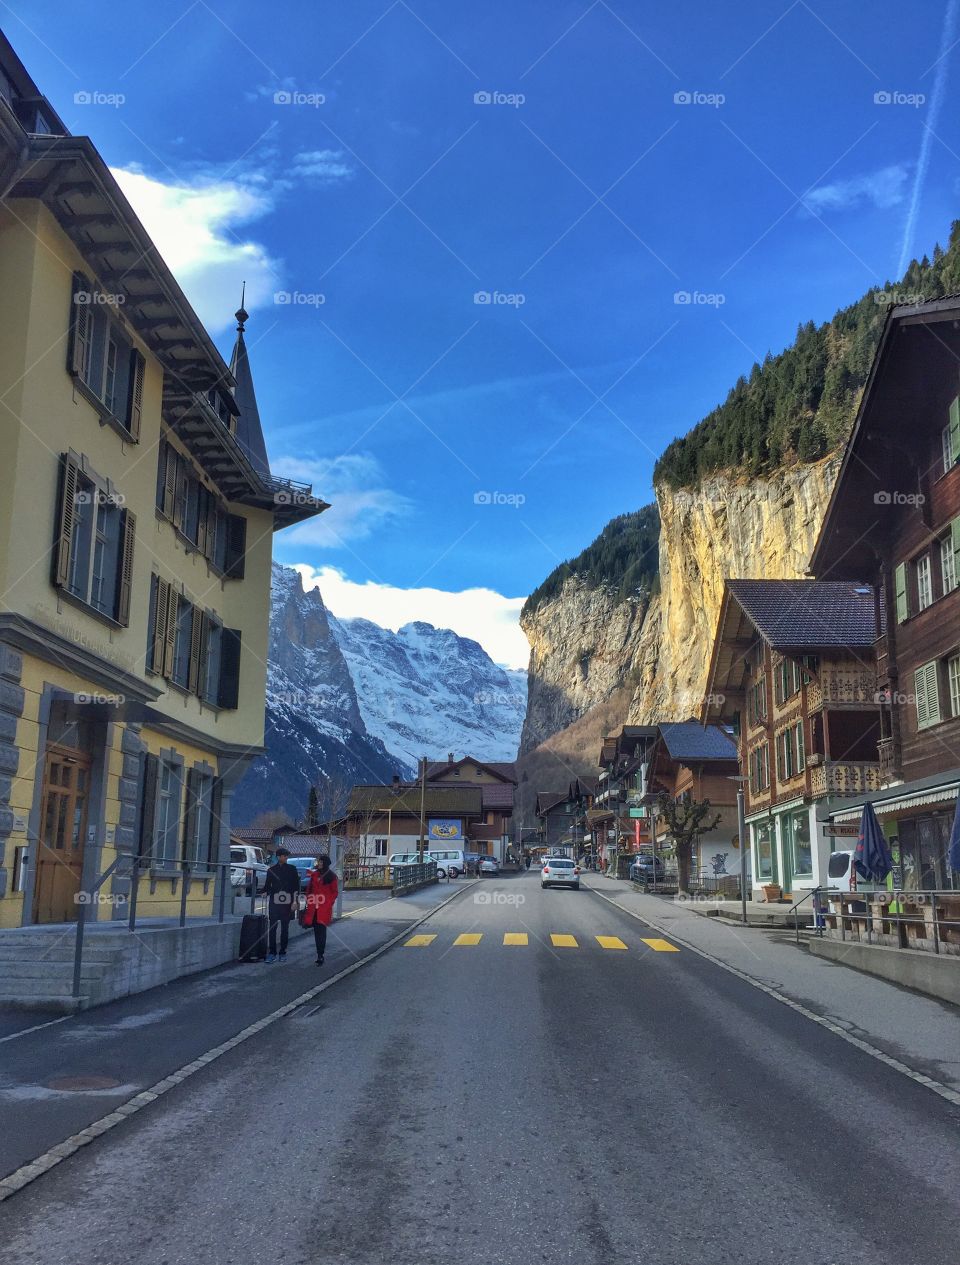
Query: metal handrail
[[818, 923]]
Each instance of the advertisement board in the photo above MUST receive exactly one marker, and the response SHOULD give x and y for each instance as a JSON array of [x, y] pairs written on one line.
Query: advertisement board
[[443, 829]]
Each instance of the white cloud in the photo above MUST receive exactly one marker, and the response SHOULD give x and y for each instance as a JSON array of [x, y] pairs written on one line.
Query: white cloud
[[361, 500], [484, 615], [326, 165], [884, 188], [193, 226]]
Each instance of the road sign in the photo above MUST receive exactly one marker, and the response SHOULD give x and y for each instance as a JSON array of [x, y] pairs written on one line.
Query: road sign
[[638, 812], [841, 829]]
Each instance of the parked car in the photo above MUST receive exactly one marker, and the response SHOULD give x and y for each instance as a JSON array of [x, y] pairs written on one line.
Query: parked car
[[249, 865], [489, 865], [560, 872], [646, 868], [304, 865], [452, 861], [472, 860]]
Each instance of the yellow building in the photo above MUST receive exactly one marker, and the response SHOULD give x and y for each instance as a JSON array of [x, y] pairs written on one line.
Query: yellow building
[[136, 515]]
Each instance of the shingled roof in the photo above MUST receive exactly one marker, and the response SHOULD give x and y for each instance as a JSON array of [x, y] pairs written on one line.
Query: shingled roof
[[689, 740], [808, 614], [453, 800]]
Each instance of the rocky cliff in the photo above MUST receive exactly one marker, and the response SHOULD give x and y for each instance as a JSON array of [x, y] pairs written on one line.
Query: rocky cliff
[[583, 646], [727, 527], [635, 662]]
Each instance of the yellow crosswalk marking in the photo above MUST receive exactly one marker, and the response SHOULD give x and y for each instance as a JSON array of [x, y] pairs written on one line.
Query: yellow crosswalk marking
[[469, 938], [515, 937], [661, 946], [610, 942], [419, 942], [563, 942]]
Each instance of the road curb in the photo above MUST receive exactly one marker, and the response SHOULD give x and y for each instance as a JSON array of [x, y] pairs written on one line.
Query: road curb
[[54, 1155], [944, 1091]]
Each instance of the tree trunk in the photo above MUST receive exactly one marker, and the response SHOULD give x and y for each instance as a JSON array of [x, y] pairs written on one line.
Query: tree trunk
[[683, 866]]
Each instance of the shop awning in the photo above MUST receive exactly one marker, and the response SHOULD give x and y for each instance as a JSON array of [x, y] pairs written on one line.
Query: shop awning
[[928, 791]]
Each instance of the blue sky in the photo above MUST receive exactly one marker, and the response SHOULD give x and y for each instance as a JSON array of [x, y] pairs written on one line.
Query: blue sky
[[370, 167]]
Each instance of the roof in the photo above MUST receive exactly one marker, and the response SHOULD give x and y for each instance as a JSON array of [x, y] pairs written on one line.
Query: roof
[[505, 769], [689, 740], [548, 800], [808, 614], [455, 800], [916, 355], [249, 430], [935, 789]]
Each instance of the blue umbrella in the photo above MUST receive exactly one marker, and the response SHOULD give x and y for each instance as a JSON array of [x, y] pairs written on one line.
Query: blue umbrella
[[872, 856], [953, 851]]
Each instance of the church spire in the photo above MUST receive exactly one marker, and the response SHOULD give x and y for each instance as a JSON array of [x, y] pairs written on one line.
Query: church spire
[[249, 431]]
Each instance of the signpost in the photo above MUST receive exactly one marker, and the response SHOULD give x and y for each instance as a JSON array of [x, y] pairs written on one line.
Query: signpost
[[841, 829]]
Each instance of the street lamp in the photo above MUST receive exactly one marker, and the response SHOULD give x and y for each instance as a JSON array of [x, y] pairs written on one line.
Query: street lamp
[[742, 832]]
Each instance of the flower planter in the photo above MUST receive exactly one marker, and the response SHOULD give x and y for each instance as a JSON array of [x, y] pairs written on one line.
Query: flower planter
[[771, 892]]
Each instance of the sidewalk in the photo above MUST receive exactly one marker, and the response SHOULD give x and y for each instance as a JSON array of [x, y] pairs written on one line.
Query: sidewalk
[[914, 1029], [60, 1075]]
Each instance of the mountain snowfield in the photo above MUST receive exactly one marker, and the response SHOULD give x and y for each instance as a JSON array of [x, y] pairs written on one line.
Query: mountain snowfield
[[349, 701]]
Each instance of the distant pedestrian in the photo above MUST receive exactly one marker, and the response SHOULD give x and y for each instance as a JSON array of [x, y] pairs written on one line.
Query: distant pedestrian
[[322, 892], [282, 889]]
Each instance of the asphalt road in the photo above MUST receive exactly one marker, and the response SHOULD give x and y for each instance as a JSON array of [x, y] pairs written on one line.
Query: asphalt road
[[530, 1102]]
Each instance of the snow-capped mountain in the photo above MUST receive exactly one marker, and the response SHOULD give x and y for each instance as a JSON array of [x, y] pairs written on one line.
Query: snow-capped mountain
[[428, 691], [349, 701]]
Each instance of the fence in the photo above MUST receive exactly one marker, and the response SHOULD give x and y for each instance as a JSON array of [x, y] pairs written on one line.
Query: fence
[[407, 878], [928, 920]]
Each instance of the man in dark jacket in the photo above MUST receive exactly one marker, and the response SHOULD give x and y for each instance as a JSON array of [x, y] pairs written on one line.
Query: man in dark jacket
[[282, 888]]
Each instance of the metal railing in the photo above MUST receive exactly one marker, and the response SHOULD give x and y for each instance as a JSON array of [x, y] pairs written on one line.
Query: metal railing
[[182, 870], [408, 877], [816, 895], [919, 921]]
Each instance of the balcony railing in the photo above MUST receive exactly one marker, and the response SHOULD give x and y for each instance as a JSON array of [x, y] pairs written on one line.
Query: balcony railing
[[843, 777], [888, 762], [842, 685]]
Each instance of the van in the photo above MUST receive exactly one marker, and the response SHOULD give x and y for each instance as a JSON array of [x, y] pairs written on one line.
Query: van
[[842, 874], [451, 861]]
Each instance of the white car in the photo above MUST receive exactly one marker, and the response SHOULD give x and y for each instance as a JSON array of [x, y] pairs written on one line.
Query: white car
[[449, 861], [248, 868], [560, 872]]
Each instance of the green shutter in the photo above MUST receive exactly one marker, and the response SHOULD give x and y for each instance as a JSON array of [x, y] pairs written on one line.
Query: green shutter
[[900, 587], [955, 429], [955, 541]]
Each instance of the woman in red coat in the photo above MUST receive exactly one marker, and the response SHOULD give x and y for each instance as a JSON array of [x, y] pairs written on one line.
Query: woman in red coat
[[322, 891]]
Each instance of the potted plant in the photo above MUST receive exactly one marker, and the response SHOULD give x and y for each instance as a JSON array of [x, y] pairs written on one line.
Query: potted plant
[[771, 892]]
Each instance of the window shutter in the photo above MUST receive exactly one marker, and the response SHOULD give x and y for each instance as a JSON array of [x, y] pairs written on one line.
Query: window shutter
[[236, 546], [900, 587], [170, 631], [216, 811], [66, 513], [955, 542], [203, 514], [801, 753], [161, 629], [190, 849], [229, 694], [196, 646], [79, 348], [170, 463], [955, 429], [928, 695], [128, 531], [180, 491], [210, 531], [135, 393], [148, 804]]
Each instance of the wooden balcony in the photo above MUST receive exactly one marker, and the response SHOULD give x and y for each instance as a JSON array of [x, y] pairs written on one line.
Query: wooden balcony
[[888, 760], [845, 778], [838, 685]]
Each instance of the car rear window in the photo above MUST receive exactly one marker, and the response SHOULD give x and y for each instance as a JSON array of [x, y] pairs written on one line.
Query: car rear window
[[238, 854], [837, 865], [557, 863]]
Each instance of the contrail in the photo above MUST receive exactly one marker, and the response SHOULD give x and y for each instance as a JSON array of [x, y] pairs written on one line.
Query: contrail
[[947, 39]]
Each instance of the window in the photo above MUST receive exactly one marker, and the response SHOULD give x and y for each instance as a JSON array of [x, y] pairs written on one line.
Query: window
[[165, 834], [102, 360], [763, 851], [791, 758], [201, 821], [93, 542], [194, 511], [798, 828], [951, 437], [801, 754], [191, 647], [760, 768], [928, 695], [380, 847], [758, 700], [953, 681], [924, 582], [950, 557], [900, 588]]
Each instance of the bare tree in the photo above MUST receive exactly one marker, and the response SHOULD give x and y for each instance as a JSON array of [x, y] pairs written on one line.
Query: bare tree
[[685, 819]]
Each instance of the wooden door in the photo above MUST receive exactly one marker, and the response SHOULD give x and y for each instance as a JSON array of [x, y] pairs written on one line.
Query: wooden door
[[63, 831]]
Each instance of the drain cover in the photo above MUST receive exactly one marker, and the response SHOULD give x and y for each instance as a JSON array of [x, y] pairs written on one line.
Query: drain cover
[[80, 1083]]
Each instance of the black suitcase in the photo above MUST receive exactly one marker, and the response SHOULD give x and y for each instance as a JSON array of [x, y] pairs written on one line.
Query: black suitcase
[[254, 931]]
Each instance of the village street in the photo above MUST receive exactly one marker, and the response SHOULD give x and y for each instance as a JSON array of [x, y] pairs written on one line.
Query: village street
[[539, 1075]]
